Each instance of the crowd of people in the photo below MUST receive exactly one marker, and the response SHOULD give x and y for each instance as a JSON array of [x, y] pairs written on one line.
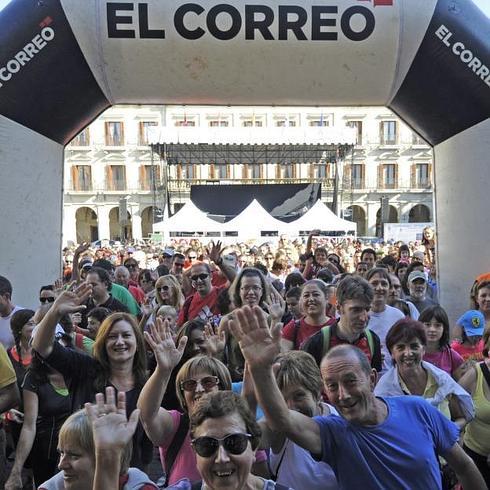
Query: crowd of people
[[324, 364]]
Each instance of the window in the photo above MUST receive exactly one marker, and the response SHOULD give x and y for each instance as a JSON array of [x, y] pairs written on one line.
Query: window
[[388, 176], [221, 171], [144, 130], [116, 178], [250, 123], [149, 177], [114, 133], [81, 177], [357, 176], [357, 125], [82, 139], [321, 123], [218, 123], [189, 171], [417, 140], [185, 122], [288, 171], [422, 175], [388, 134], [285, 123], [255, 171], [321, 171]]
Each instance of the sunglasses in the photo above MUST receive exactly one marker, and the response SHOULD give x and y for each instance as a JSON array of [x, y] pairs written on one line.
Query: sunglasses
[[191, 257], [207, 383], [46, 300], [163, 288], [131, 266], [199, 276], [233, 444]]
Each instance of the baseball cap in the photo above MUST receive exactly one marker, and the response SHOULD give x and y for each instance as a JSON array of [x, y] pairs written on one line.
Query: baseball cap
[[85, 263], [169, 252], [416, 275], [419, 255], [473, 322]]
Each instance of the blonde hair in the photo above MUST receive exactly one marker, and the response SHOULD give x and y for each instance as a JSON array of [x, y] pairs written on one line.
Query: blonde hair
[[177, 297], [167, 310], [198, 364], [77, 430]]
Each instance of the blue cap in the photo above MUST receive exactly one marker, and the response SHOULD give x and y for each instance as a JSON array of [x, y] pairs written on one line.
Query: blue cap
[[473, 322]]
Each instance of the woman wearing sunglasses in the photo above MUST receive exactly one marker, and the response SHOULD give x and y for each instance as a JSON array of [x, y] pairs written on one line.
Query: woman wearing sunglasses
[[167, 292], [169, 429], [225, 437]]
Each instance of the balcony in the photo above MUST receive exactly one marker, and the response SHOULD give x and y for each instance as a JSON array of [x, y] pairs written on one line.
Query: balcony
[[184, 184]]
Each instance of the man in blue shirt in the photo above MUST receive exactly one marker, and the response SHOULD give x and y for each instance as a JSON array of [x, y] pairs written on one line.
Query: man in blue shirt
[[375, 443]]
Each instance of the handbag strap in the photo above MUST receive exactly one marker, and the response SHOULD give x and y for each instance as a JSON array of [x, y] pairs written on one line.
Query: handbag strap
[[485, 371]]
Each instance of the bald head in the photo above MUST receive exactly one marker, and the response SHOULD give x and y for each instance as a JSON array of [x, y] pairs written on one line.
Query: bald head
[[349, 351]]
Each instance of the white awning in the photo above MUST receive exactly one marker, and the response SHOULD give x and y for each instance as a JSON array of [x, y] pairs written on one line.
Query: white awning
[[253, 136]]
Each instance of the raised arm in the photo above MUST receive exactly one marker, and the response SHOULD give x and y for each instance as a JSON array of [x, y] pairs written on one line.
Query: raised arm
[[112, 432], [26, 440], [66, 302], [156, 420], [260, 346], [214, 253]]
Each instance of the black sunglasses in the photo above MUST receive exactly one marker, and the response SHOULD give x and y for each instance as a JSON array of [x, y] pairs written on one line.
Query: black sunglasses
[[233, 444], [207, 383], [163, 288], [131, 266], [47, 300], [199, 276]]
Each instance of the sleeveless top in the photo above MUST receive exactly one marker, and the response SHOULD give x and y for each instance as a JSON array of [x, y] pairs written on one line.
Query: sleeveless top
[[477, 436]]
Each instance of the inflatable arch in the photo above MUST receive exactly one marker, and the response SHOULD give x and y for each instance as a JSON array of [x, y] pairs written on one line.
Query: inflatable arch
[[63, 62]]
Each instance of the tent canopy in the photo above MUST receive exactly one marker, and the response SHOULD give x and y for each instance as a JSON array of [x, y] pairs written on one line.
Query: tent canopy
[[188, 219], [321, 217], [253, 220]]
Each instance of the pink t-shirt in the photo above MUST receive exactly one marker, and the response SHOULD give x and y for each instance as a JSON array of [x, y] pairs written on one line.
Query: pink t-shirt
[[305, 331], [446, 359], [185, 465], [469, 352]]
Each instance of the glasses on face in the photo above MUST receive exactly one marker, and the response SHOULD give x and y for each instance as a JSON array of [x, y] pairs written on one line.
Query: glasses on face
[[163, 288], [192, 257], [233, 444], [178, 264], [46, 300], [208, 382], [131, 266], [202, 277], [255, 289]]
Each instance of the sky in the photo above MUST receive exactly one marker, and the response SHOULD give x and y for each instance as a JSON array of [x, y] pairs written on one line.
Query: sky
[[483, 4]]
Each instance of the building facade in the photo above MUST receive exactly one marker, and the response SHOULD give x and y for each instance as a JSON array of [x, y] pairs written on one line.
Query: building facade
[[116, 186]]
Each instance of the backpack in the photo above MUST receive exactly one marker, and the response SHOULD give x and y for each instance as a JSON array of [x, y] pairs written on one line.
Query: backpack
[[326, 340], [174, 448]]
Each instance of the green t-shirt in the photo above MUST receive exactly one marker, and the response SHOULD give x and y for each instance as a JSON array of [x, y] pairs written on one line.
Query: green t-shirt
[[126, 298]]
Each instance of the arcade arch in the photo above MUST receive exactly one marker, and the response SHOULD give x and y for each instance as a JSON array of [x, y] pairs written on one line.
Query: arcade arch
[[86, 225], [420, 213], [117, 229], [391, 217], [358, 216], [147, 220]]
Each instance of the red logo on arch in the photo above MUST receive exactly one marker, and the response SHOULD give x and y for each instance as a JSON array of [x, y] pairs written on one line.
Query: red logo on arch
[[378, 3]]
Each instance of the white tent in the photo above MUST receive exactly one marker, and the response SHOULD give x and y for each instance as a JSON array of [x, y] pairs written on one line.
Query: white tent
[[320, 217], [190, 220], [253, 222]]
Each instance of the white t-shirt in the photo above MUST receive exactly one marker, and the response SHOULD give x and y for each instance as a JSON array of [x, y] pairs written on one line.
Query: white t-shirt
[[299, 470], [6, 337], [380, 324]]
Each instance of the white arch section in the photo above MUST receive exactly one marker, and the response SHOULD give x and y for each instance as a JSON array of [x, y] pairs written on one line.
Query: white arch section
[[64, 61]]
